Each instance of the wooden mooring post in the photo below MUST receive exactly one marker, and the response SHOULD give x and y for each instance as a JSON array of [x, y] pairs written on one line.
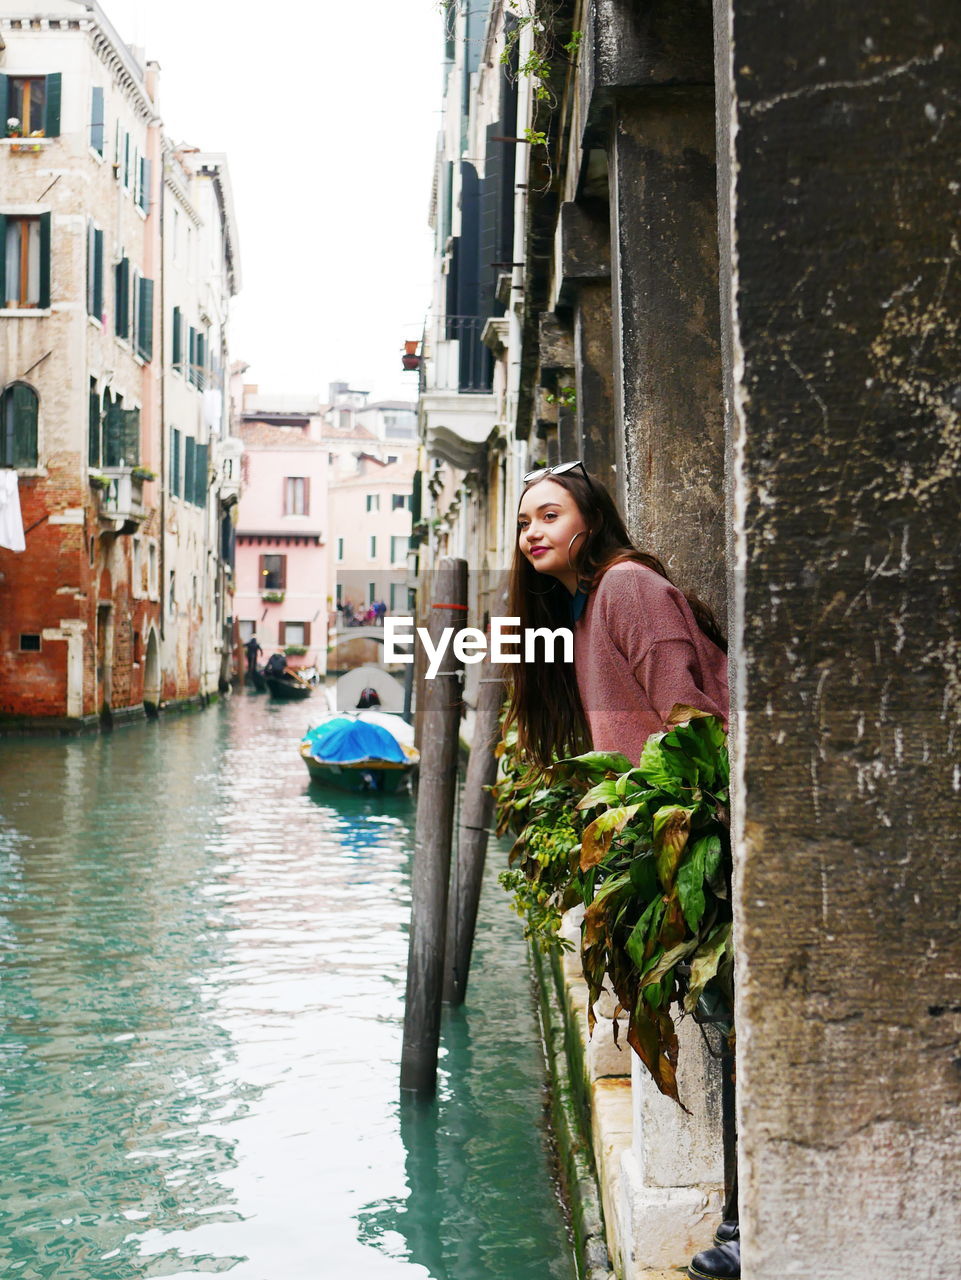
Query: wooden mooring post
[[477, 811], [436, 791]]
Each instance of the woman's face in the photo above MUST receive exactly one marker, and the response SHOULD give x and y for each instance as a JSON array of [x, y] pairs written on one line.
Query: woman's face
[[547, 520]]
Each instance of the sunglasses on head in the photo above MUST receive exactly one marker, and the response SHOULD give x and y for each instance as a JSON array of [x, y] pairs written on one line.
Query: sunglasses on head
[[543, 472]]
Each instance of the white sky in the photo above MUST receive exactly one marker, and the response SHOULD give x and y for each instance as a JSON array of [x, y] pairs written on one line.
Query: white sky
[[328, 112]]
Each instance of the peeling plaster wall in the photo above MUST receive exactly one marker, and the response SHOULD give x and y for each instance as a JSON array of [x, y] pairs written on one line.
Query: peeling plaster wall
[[843, 248]]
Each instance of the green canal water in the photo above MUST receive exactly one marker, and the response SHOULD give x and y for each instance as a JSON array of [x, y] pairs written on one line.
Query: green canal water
[[202, 962]]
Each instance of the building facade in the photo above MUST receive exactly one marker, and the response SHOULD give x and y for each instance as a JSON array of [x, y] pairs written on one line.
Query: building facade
[[86, 625]]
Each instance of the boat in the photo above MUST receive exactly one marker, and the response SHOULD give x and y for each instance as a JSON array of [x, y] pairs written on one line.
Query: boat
[[360, 753], [287, 686]]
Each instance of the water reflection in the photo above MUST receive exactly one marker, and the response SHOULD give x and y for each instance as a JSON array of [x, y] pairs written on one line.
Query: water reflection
[[202, 963]]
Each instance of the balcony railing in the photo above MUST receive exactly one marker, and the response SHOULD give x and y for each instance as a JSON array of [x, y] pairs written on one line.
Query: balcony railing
[[122, 499], [475, 364]]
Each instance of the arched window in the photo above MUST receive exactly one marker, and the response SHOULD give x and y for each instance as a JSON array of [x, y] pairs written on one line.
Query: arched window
[[18, 426]]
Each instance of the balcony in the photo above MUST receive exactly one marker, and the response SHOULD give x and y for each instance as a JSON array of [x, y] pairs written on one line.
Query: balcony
[[121, 498]]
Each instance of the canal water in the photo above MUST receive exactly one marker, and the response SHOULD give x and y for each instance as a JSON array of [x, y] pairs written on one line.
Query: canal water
[[202, 967]]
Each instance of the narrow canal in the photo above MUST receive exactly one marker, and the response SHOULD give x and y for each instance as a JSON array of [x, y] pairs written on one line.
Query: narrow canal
[[202, 964]]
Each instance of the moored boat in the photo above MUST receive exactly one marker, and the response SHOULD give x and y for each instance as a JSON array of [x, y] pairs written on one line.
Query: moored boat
[[351, 753], [287, 686]]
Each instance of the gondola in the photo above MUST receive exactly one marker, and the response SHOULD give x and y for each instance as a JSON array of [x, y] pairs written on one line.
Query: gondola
[[350, 753], [287, 687]]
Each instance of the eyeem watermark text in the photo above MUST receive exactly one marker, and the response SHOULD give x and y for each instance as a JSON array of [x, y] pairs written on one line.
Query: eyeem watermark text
[[468, 644]]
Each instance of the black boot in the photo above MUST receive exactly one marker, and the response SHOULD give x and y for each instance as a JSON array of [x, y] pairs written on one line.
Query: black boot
[[730, 1229], [720, 1263]]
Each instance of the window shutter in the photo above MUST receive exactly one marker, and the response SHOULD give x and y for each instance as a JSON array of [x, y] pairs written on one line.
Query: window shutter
[[201, 360], [190, 464], [24, 425], [191, 354], [281, 632], [307, 495], [98, 274], [287, 495], [145, 184], [93, 427], [126, 159], [45, 258], [177, 352], [283, 573], [261, 572], [307, 633], [175, 462], [96, 120], [122, 298], [145, 320], [3, 255], [200, 476], [4, 96], [51, 120], [90, 266], [113, 436]]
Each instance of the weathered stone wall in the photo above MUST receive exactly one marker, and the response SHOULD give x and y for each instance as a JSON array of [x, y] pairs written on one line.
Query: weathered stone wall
[[843, 252]]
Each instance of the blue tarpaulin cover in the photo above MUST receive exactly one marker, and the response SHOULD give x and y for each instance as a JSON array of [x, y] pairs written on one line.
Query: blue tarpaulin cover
[[344, 741]]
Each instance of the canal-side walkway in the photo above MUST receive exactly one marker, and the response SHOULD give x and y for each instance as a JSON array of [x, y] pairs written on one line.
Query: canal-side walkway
[[201, 989]]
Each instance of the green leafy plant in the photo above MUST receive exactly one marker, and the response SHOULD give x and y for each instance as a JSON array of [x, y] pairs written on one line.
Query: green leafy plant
[[295, 650], [566, 396], [653, 870], [98, 481], [272, 597], [143, 473]]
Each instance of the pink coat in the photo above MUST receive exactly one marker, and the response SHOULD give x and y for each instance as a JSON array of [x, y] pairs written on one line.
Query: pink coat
[[637, 652]]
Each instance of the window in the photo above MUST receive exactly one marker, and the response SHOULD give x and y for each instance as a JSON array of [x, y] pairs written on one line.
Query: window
[[25, 264], [372, 552], [273, 573], [34, 101], [393, 457], [121, 433], [295, 633], [371, 592], [121, 298], [18, 426], [339, 593], [190, 468], [398, 597], [296, 496], [127, 149], [152, 578], [29, 643], [94, 271], [96, 120], [143, 185], [340, 550], [172, 592], [400, 501], [247, 628], [373, 502], [398, 549], [199, 498], [175, 471]]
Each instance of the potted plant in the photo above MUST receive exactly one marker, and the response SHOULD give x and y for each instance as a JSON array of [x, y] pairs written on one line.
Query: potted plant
[[143, 474], [295, 650], [272, 597]]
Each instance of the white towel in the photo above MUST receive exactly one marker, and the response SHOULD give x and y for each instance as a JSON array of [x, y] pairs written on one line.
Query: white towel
[[11, 521]]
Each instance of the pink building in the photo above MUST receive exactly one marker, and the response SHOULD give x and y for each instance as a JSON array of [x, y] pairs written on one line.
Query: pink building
[[282, 591]]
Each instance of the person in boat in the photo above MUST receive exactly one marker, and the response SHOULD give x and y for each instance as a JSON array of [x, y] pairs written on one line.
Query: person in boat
[[641, 646], [369, 697], [276, 665], [252, 649]]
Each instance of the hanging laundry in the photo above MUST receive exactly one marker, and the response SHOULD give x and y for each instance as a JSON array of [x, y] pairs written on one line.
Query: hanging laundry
[[11, 521]]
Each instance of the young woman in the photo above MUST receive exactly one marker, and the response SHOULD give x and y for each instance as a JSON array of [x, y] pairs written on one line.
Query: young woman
[[640, 644], [641, 647]]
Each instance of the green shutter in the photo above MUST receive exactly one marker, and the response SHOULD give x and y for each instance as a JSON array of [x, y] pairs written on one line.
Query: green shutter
[[113, 436], [200, 476], [130, 437], [45, 259], [177, 339], [122, 298], [145, 184], [4, 98], [175, 462], [192, 354], [51, 120], [190, 461], [98, 274], [24, 425], [145, 320], [201, 360], [93, 427], [97, 120], [3, 258]]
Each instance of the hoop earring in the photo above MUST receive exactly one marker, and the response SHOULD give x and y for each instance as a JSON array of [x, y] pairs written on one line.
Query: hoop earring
[[583, 533]]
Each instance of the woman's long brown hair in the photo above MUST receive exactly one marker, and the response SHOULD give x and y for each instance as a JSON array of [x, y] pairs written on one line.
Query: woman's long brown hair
[[544, 703]]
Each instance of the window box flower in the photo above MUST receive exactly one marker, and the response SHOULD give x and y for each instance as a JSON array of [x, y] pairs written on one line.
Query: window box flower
[[272, 597]]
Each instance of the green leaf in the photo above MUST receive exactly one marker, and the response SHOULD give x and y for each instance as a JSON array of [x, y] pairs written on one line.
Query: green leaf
[[668, 960], [604, 793], [690, 882], [600, 762], [637, 939], [643, 875], [657, 769]]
